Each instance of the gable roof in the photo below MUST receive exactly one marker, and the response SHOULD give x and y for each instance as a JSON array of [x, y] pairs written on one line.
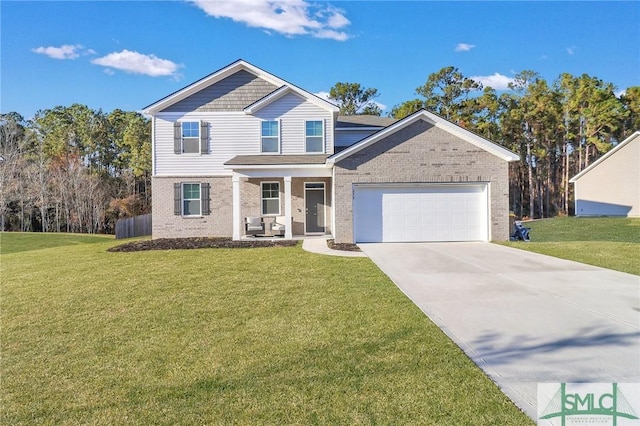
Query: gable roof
[[281, 91], [615, 149], [437, 121], [216, 76]]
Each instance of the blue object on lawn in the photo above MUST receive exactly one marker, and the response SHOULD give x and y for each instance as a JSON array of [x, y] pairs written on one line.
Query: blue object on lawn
[[520, 233]]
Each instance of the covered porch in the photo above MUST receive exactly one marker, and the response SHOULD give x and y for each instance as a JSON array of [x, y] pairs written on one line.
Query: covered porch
[[290, 190]]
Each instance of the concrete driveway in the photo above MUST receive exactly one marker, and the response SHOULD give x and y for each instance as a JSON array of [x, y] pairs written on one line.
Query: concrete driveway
[[524, 318]]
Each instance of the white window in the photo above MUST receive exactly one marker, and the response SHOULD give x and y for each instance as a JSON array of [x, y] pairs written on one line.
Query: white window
[[314, 136], [191, 199], [270, 198], [270, 137], [190, 136]]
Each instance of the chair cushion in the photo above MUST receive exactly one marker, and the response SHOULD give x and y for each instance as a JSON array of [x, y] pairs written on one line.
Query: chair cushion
[[254, 221]]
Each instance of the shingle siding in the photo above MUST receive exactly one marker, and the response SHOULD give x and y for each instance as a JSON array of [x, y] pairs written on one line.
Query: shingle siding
[[421, 153], [233, 93]]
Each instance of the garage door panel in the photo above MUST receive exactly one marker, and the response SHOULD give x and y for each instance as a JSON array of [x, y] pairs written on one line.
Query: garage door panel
[[421, 213]]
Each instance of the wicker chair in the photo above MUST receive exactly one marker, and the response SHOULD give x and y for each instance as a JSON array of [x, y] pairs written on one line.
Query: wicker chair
[[253, 225]]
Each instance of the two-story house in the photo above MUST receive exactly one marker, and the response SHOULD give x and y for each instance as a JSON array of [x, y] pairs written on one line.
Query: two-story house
[[242, 143]]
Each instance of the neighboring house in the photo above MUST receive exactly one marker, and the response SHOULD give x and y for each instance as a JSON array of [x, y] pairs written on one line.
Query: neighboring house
[[244, 143], [611, 185]]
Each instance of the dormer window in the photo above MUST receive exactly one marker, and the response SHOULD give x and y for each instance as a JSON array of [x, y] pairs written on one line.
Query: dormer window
[[314, 137], [270, 141]]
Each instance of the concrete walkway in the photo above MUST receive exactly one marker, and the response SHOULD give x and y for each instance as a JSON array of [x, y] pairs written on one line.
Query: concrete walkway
[[524, 318], [319, 246]]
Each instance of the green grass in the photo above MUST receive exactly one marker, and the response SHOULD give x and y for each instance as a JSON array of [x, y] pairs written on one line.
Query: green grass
[[27, 241], [223, 336], [612, 243]]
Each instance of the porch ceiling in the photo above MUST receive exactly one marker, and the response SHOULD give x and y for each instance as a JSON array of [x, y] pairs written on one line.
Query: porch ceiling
[[280, 166]]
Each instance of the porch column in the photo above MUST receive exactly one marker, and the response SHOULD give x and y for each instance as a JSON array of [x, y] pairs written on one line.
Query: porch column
[[235, 202], [288, 232]]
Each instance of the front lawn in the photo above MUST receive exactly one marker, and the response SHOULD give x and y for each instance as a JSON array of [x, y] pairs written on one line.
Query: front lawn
[[612, 243], [223, 336]]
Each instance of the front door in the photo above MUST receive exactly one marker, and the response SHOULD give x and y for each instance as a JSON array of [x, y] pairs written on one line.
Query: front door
[[314, 206]]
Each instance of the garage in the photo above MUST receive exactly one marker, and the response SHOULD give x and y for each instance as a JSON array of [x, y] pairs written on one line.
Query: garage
[[422, 178], [420, 212]]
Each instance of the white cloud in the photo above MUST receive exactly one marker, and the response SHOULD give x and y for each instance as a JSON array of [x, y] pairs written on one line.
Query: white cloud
[[138, 63], [621, 93], [496, 81], [288, 17], [571, 50], [382, 107], [464, 47], [325, 96], [66, 51], [331, 34]]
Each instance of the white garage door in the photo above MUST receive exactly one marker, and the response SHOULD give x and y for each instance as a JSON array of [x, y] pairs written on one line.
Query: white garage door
[[407, 213]]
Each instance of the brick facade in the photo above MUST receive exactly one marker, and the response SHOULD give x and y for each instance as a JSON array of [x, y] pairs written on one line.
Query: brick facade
[[219, 223], [166, 224], [251, 199], [421, 153]]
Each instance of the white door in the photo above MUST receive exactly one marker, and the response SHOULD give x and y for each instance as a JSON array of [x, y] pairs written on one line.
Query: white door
[[429, 212]]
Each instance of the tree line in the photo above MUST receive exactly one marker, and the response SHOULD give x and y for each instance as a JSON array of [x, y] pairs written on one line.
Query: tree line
[[557, 128], [73, 169]]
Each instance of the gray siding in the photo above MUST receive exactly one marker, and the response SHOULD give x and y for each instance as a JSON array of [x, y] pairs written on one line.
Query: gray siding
[[346, 138], [293, 111], [419, 153], [230, 134], [611, 188], [236, 133], [233, 93]]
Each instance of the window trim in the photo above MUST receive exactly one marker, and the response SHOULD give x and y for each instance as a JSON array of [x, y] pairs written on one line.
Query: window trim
[[262, 198], [306, 144], [203, 137], [278, 139], [183, 199], [196, 138], [178, 199]]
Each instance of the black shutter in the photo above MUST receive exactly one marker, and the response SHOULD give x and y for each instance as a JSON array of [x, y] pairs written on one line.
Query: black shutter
[[177, 138], [205, 189], [204, 138], [177, 199]]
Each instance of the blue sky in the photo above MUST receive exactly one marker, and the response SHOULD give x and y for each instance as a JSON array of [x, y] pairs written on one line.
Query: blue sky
[[128, 54]]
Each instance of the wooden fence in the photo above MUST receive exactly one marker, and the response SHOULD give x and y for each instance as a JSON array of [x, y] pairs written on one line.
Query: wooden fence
[[133, 227]]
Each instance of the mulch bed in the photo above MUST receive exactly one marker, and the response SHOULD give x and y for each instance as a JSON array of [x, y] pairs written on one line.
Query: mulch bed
[[197, 243], [201, 242], [342, 246]]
